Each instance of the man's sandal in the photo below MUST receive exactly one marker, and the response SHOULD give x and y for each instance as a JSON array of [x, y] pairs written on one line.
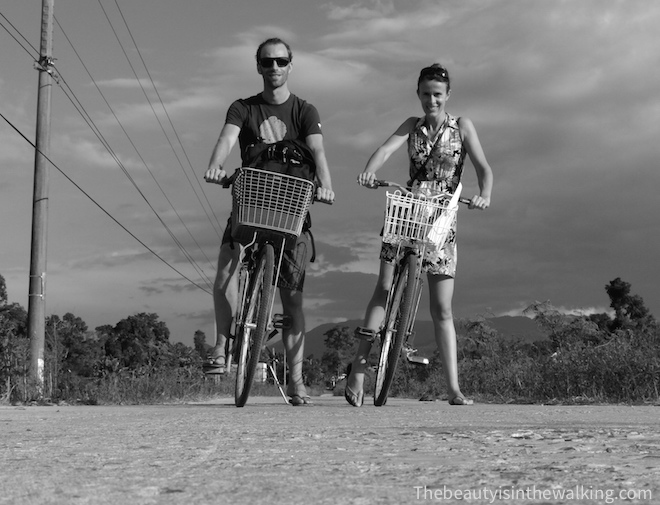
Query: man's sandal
[[460, 400], [298, 395], [298, 401], [214, 365]]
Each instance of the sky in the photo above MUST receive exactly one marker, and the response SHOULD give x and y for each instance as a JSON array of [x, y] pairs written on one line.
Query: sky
[[563, 94]]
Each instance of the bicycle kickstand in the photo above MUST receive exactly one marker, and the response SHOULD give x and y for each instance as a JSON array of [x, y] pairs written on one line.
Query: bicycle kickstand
[[272, 372]]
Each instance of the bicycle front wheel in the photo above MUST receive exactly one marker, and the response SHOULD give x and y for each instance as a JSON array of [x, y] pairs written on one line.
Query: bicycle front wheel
[[256, 316], [397, 318]]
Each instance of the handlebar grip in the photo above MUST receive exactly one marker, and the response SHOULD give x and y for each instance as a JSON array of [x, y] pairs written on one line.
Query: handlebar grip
[[380, 183]]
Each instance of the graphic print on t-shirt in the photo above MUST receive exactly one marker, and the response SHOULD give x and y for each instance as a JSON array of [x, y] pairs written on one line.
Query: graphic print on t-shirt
[[272, 130]]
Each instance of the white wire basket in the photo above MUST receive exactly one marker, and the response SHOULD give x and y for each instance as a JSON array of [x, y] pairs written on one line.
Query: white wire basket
[[418, 220], [270, 201]]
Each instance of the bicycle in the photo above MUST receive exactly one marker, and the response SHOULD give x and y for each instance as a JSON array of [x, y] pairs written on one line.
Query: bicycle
[[268, 213], [413, 223]]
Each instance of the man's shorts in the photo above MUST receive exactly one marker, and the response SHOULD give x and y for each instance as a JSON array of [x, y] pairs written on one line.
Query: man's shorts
[[294, 261]]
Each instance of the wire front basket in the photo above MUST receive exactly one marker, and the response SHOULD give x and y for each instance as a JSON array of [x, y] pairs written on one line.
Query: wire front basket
[[418, 220], [270, 201]]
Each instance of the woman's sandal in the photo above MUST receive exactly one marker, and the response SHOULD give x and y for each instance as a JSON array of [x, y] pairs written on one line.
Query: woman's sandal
[[354, 399], [351, 397], [460, 400]]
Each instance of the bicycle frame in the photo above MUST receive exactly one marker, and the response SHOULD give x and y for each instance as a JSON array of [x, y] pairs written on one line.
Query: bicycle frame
[[412, 223], [247, 264], [417, 293], [254, 322], [268, 209]]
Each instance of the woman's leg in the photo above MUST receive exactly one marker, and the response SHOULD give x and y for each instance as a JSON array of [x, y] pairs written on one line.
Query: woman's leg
[[441, 292], [372, 320]]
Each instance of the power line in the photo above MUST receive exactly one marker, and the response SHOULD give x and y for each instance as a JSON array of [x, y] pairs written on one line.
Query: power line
[[125, 170], [153, 84], [19, 43], [101, 207], [87, 118], [162, 104]]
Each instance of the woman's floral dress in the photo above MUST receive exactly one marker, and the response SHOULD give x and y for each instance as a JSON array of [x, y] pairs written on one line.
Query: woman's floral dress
[[436, 166]]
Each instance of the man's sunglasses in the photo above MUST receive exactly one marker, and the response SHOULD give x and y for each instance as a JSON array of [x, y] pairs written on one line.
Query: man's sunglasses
[[268, 62]]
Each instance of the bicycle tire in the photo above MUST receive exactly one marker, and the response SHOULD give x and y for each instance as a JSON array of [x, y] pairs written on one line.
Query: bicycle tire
[[397, 319], [254, 323]]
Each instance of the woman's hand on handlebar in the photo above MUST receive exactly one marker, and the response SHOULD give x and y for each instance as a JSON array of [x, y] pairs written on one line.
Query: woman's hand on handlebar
[[367, 179], [477, 202], [216, 175]]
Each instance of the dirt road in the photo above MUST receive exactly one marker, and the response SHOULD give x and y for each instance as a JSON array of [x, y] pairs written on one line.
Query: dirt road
[[329, 453]]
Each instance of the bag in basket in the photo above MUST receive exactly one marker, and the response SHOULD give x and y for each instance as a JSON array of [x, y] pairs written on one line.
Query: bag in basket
[[442, 225]]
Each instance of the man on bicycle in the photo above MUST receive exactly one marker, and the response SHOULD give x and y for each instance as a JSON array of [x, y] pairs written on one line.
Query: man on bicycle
[[273, 115]]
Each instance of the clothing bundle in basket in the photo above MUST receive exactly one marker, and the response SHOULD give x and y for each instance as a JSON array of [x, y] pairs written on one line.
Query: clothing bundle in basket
[[289, 157]]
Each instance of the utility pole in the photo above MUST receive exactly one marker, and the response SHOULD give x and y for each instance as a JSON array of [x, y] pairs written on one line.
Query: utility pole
[[37, 290]]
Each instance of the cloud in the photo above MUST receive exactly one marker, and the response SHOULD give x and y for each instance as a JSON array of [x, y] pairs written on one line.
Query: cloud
[[563, 95], [358, 11]]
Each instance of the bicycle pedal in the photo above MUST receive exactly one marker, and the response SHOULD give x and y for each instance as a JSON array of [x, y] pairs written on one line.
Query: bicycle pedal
[[282, 322], [417, 360], [365, 334]]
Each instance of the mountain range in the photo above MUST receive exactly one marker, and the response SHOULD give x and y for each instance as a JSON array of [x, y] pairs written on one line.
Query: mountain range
[[508, 327]]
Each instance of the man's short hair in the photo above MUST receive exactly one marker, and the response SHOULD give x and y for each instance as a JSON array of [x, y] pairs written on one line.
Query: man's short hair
[[271, 42]]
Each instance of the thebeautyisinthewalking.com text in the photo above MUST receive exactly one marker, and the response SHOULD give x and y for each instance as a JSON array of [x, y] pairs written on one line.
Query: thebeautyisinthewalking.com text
[[507, 494]]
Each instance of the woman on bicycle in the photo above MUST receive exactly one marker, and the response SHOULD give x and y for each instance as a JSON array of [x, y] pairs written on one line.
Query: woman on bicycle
[[437, 145]]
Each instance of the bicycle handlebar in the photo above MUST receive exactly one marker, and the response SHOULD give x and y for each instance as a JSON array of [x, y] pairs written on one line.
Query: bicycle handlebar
[[380, 183], [229, 180]]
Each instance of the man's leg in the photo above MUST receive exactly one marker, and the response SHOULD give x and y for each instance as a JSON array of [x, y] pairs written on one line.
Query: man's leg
[[293, 338], [225, 297]]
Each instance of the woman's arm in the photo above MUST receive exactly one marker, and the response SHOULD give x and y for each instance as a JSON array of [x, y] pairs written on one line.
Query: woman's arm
[[478, 158], [382, 154]]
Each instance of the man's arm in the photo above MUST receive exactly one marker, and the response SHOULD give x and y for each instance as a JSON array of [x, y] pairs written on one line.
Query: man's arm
[[228, 136], [315, 143]]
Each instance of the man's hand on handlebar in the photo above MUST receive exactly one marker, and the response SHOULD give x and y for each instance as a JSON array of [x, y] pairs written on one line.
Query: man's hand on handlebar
[[216, 175], [325, 195]]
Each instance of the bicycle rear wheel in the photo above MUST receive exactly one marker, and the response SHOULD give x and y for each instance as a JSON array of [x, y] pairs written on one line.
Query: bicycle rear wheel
[[252, 332], [397, 319]]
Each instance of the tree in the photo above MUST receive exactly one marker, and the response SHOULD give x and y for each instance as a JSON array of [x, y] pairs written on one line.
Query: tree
[[200, 343], [340, 343], [139, 340], [3, 291], [74, 349], [629, 309], [564, 329], [14, 343]]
